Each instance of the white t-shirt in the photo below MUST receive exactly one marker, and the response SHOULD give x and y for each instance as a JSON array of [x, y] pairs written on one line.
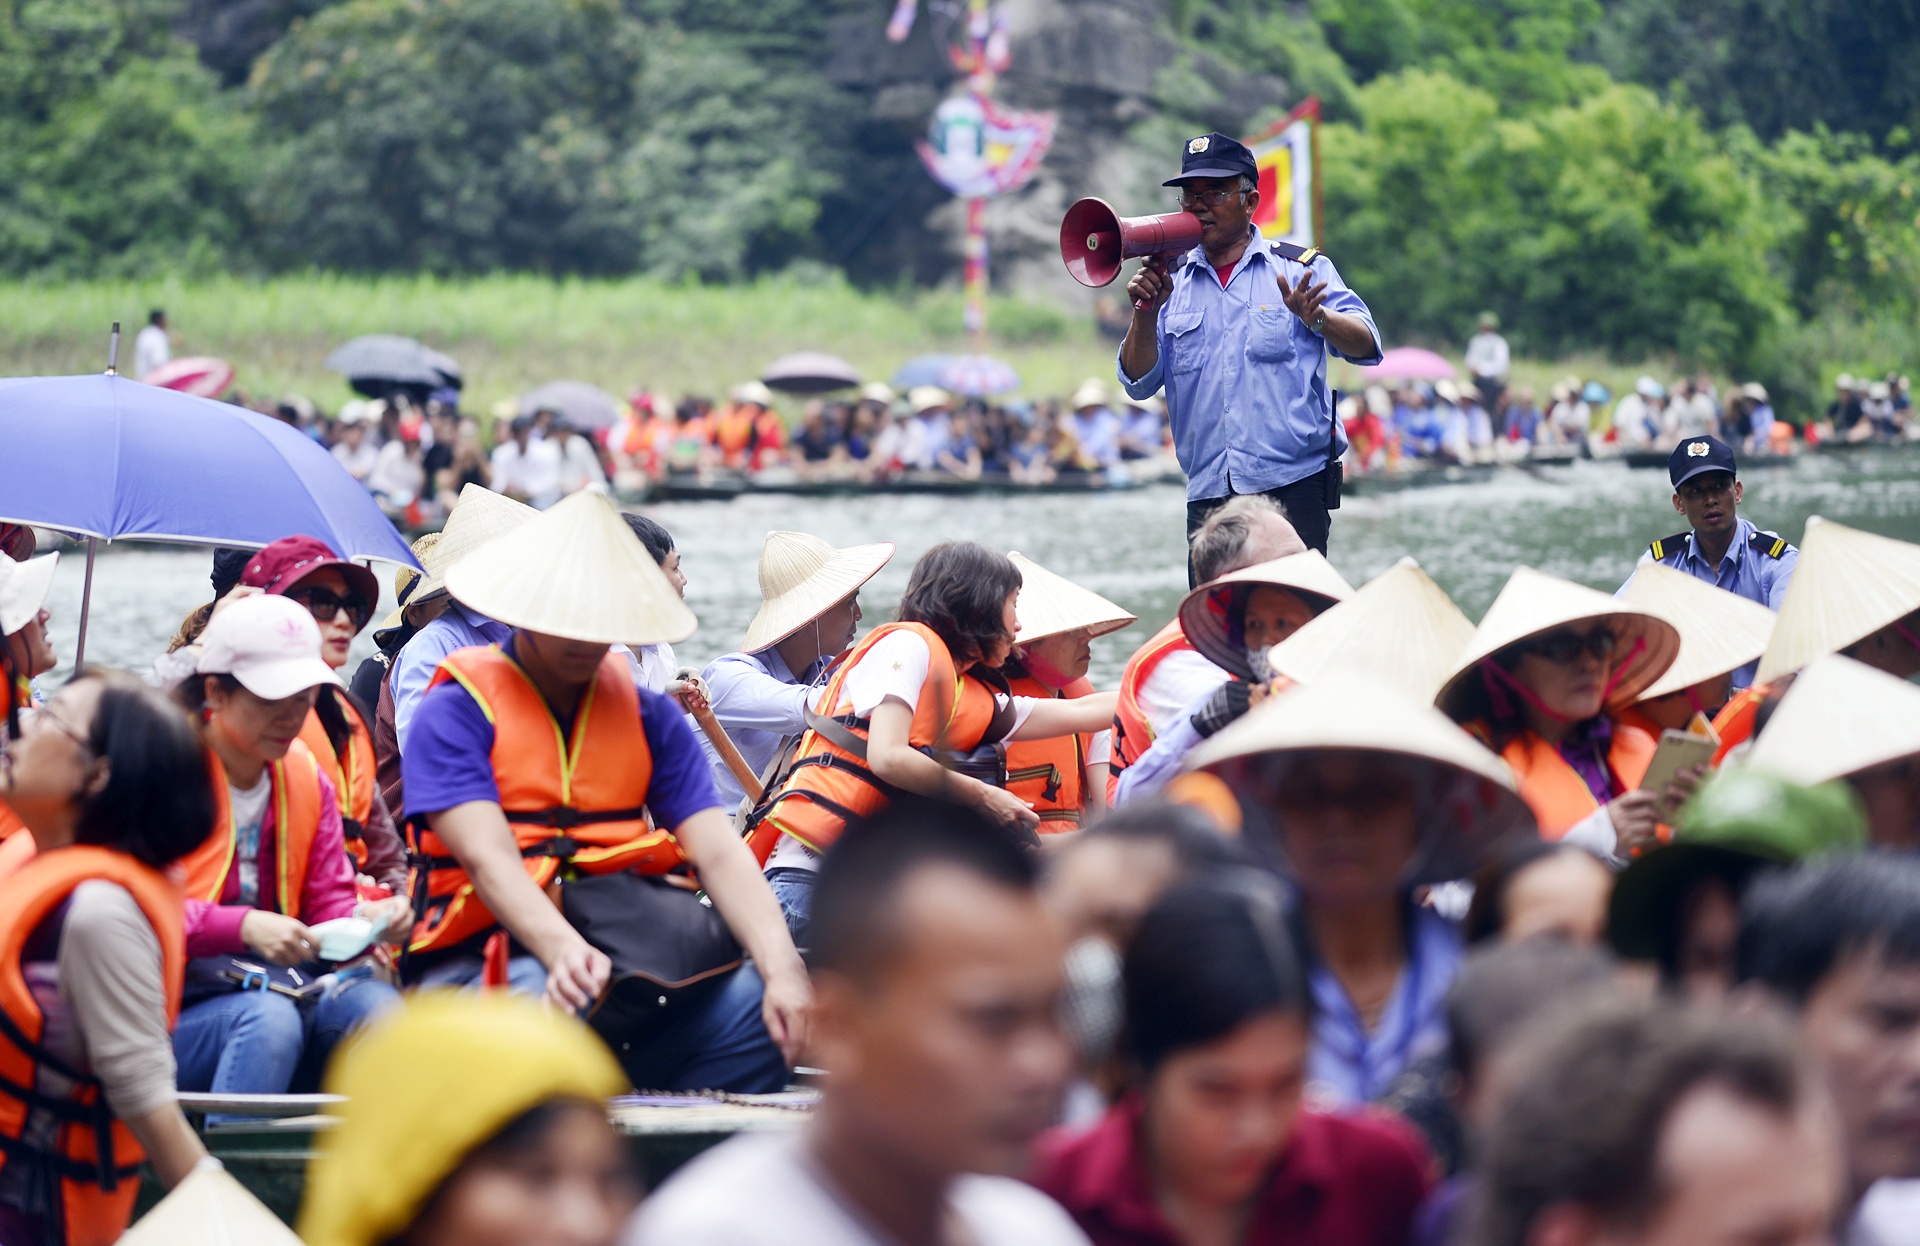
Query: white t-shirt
[[249, 807], [1181, 678], [150, 350], [762, 1190], [358, 460]]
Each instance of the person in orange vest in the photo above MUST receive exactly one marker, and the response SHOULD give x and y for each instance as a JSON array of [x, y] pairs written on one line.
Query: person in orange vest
[[340, 595], [25, 653], [1542, 682], [538, 763], [733, 430], [1064, 778], [919, 705], [690, 448], [1720, 633], [1165, 675], [275, 868], [111, 778], [768, 441]]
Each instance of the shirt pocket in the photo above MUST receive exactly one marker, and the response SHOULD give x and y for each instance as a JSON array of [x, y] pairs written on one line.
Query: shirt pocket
[[1270, 333], [1186, 345]]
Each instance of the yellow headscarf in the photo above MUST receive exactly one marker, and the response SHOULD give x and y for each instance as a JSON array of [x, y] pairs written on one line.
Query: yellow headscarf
[[425, 1086]]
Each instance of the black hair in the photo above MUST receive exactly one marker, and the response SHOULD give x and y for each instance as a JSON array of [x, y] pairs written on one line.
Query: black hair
[[1208, 957], [1798, 926], [1504, 988], [157, 805], [1189, 834], [867, 867], [960, 590], [191, 692], [228, 566], [658, 540], [156, 315], [1487, 913]]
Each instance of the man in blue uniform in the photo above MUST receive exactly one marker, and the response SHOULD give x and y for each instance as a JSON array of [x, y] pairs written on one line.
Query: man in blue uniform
[[1718, 546], [1238, 330]]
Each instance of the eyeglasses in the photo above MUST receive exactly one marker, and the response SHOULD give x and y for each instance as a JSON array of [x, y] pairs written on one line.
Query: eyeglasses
[[44, 717], [323, 604], [1211, 198], [1564, 648], [1707, 486]]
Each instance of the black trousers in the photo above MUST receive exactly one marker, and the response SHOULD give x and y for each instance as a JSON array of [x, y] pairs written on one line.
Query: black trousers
[[1304, 501]]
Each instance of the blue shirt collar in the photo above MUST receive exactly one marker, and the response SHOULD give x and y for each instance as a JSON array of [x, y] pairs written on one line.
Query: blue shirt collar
[[1258, 246], [1742, 533]]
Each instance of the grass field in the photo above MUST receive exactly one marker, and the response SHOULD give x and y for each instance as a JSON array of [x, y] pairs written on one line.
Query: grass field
[[511, 333]]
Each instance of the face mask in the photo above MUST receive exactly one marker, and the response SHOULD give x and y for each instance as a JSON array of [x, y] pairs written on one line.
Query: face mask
[[1093, 1008], [1258, 666]]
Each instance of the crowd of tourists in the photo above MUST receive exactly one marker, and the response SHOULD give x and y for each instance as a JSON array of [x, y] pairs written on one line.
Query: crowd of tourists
[[1342, 919]]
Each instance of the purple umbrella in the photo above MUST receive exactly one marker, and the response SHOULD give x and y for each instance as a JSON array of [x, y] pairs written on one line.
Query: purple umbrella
[[1410, 363]]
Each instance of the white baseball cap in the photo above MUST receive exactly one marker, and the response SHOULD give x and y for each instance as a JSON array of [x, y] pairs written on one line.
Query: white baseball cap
[[269, 643]]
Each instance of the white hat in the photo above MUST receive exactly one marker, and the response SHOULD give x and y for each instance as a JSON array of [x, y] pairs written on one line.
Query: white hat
[[1050, 604], [754, 392], [923, 398], [269, 643], [1647, 387], [1719, 632], [801, 578], [1350, 710], [1447, 390], [209, 1208], [23, 590], [356, 411], [1092, 393], [1879, 389], [1533, 602], [1843, 381], [877, 391], [479, 515], [1203, 615], [1848, 585], [1839, 717], [1401, 628], [1754, 390], [576, 571]]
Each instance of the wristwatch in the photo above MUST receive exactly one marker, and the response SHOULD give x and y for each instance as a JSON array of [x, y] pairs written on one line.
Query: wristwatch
[[1319, 322]]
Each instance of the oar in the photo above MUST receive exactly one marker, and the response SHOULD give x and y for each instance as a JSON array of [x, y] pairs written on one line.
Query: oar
[[693, 695]]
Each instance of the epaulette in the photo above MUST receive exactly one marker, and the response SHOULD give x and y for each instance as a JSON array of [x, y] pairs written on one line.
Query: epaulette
[[1766, 543], [1297, 253], [1669, 545]]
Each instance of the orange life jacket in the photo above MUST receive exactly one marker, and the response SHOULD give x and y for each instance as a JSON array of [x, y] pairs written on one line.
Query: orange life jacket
[[95, 1157], [1734, 723], [352, 774], [1554, 790], [1132, 731], [295, 798], [828, 787], [1050, 774], [733, 434], [578, 802]]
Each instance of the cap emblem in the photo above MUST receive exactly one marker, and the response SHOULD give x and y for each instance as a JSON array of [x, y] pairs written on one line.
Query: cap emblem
[[1198, 145], [1697, 449]]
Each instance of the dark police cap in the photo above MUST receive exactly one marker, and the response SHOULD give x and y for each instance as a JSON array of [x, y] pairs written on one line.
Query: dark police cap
[[1214, 155], [1696, 456]]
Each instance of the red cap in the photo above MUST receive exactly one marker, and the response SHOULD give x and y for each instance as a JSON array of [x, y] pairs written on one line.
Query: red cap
[[291, 559]]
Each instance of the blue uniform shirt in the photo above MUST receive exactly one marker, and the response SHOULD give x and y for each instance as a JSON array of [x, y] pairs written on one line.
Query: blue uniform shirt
[[1745, 572], [1246, 381], [760, 703]]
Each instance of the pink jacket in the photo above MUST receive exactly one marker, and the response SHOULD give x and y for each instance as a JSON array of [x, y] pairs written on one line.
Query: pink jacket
[[326, 892]]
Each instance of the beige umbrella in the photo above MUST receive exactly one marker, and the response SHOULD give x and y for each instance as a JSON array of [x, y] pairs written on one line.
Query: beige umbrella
[[576, 571], [209, 1208], [1533, 602], [1050, 604], [801, 578], [1401, 627], [1719, 632], [1848, 585], [1839, 717], [1472, 809], [1203, 615], [478, 516]]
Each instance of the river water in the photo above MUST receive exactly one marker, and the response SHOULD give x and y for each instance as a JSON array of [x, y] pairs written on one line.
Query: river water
[[1588, 522]]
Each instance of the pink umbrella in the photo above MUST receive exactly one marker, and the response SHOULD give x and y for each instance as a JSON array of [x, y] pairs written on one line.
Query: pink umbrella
[[203, 376], [1410, 363]]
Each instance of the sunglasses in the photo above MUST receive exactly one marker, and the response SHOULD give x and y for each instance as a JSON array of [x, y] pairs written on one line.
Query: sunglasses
[[1564, 648], [323, 604]]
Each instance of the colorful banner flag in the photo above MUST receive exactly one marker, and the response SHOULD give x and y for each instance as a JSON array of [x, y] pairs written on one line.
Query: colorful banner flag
[[977, 148], [1288, 156]]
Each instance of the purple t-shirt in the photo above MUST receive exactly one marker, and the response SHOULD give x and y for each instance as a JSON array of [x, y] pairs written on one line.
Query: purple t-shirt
[[448, 759]]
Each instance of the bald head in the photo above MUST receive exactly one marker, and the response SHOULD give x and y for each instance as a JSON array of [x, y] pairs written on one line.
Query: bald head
[[1251, 528]]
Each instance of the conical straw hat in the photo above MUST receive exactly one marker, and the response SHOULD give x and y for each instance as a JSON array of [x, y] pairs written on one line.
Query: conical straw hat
[[1050, 604], [1719, 632], [1848, 585], [1346, 709], [1203, 615], [1533, 602], [406, 581], [1839, 717], [478, 516], [1401, 627], [801, 578], [576, 571], [209, 1208]]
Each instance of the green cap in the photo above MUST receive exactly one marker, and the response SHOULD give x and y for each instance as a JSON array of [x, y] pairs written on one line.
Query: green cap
[[1737, 822]]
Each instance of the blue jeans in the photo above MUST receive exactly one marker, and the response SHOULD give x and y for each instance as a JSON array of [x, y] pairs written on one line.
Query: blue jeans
[[722, 1044], [263, 1043], [794, 889]]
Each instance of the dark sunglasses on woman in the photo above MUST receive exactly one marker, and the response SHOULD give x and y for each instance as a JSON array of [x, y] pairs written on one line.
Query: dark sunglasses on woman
[[1563, 648], [324, 603]]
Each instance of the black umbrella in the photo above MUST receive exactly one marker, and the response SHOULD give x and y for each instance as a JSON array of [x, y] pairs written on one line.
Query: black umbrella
[[379, 362], [810, 372], [582, 405]]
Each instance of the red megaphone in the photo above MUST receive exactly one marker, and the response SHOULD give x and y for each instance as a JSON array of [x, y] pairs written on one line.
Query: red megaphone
[[1094, 239]]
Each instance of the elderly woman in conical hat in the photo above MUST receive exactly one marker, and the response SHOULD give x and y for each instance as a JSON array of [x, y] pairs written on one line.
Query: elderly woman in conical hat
[[809, 613], [1842, 719], [1360, 794], [1719, 634], [1541, 683], [1233, 621], [1063, 778]]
